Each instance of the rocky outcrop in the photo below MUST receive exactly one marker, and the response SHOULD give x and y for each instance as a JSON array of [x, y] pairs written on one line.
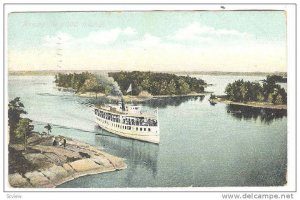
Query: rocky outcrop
[[18, 181], [55, 165]]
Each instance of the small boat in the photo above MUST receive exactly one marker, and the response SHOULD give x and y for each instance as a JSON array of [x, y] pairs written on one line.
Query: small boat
[[212, 101], [128, 121]]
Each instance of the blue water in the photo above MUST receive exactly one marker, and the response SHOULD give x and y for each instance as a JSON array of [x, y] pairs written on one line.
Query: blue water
[[201, 144]]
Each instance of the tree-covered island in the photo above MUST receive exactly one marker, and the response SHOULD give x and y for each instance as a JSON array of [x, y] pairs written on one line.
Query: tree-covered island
[[265, 93], [157, 83], [118, 83]]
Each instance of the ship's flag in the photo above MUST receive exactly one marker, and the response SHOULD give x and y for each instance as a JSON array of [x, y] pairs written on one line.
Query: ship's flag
[[129, 88]]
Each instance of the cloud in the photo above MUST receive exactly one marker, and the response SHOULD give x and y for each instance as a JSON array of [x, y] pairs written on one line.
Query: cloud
[[136, 52], [147, 41], [96, 37], [129, 31], [199, 32], [109, 36]]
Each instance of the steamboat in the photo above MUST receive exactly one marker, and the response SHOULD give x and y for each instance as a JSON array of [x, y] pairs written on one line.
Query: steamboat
[[128, 121]]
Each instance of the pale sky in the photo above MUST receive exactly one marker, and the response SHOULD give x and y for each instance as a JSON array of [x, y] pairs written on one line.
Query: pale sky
[[157, 40]]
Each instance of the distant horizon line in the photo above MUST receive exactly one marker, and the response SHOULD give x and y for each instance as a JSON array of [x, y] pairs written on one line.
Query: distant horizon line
[[163, 71]]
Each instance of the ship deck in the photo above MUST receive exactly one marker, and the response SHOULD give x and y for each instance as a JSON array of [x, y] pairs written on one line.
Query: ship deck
[[128, 114]]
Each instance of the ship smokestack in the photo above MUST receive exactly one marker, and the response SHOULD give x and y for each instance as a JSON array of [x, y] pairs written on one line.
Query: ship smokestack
[[123, 104]]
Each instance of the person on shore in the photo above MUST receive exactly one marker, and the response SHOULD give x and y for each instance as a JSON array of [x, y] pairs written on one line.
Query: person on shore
[[54, 142], [65, 142]]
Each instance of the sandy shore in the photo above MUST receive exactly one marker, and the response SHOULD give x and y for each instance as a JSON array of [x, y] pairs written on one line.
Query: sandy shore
[[43, 165], [253, 104]]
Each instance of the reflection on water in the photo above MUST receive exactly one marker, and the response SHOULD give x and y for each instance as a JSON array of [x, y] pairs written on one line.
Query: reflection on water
[[265, 115], [171, 101], [137, 153], [160, 102]]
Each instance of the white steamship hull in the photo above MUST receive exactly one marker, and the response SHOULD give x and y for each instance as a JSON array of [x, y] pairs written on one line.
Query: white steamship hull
[[133, 133]]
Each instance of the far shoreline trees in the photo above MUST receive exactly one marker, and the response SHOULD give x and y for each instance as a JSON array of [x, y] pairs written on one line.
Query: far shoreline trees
[[277, 79]]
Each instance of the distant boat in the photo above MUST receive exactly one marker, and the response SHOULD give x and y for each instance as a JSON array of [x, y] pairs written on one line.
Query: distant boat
[[128, 121], [212, 101]]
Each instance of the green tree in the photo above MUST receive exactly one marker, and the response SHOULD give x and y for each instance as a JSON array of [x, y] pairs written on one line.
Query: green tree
[[270, 98], [244, 92], [146, 84], [278, 99], [236, 91], [279, 95], [171, 87], [256, 92], [183, 87], [283, 94], [92, 85], [163, 90], [48, 127], [23, 130], [15, 109]]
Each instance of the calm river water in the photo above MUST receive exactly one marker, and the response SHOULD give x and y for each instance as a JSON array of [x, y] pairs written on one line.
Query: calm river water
[[201, 145]]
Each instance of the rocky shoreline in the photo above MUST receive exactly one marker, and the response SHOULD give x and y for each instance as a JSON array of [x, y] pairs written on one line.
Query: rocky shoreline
[[43, 165]]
